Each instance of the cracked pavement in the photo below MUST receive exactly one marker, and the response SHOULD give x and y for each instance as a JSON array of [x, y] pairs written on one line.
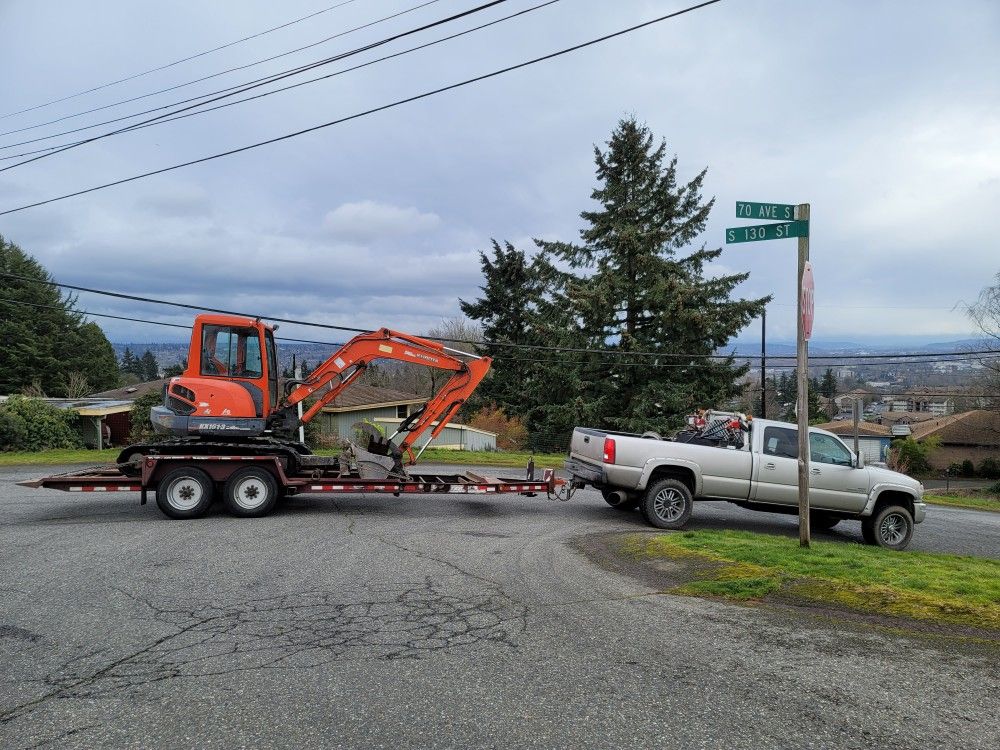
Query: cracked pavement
[[375, 621]]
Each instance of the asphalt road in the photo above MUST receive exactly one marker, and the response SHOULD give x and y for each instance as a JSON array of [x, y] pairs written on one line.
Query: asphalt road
[[373, 621]]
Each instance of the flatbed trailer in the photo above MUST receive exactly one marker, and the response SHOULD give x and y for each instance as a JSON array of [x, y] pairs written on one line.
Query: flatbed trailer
[[185, 486]]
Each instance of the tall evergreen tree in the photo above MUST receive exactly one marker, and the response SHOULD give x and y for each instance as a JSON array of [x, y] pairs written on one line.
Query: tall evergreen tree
[[638, 294], [828, 386], [507, 311], [44, 338], [129, 363], [149, 366]]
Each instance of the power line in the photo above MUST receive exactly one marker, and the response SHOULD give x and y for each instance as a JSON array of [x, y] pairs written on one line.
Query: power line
[[143, 320], [176, 114], [224, 72], [337, 344], [371, 111], [500, 344], [182, 60]]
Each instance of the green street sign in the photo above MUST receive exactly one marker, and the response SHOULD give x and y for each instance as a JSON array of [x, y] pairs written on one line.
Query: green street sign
[[767, 232], [765, 211]]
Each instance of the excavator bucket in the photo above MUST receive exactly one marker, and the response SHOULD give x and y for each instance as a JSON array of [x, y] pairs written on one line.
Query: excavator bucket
[[379, 459]]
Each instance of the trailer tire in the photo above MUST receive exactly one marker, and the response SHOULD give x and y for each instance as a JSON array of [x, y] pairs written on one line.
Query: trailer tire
[[250, 493], [667, 504], [185, 492]]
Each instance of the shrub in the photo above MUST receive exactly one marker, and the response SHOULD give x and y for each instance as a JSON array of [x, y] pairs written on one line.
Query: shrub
[[29, 424], [510, 431], [142, 428], [910, 456], [989, 468], [968, 470]]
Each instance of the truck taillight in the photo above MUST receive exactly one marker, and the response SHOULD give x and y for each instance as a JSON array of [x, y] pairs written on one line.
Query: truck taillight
[[609, 450]]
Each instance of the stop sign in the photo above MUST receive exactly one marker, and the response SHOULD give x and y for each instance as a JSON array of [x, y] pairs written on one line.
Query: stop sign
[[807, 300]]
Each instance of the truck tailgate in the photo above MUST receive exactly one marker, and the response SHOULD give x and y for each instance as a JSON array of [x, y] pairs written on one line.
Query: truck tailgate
[[588, 444]]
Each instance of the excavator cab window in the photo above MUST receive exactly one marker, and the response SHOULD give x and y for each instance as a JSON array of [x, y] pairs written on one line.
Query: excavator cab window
[[272, 368], [230, 351]]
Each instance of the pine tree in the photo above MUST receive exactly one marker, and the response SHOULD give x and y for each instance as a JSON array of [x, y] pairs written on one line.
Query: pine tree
[[128, 363], [171, 371], [828, 387], [640, 294], [44, 338], [148, 366], [507, 311]]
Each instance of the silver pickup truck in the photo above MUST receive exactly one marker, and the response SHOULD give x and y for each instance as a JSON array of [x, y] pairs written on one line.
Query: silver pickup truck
[[758, 472]]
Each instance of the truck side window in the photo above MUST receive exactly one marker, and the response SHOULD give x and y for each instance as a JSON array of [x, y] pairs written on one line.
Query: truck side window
[[780, 441], [824, 449]]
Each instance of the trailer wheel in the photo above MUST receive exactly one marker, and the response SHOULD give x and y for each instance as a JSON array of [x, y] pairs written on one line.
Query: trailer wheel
[[184, 492], [250, 493], [668, 504]]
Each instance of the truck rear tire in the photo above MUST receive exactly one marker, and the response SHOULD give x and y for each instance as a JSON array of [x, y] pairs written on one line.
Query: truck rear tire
[[667, 504], [891, 528], [620, 500], [250, 493], [185, 492]]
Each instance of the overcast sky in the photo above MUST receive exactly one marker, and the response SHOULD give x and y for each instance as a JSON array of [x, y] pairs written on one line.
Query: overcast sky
[[885, 116]]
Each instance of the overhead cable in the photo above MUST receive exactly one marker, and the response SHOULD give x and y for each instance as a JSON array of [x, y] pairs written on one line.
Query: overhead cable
[[200, 108], [382, 108], [216, 75], [499, 344], [133, 76]]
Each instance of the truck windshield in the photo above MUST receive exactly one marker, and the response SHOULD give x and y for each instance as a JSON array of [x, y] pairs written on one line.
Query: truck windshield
[[230, 351]]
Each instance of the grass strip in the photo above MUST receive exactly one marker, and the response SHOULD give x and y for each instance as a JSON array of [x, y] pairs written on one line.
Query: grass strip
[[976, 503], [430, 456], [59, 456], [742, 565]]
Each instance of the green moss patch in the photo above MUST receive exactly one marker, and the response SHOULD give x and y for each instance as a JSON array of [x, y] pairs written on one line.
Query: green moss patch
[[745, 566]]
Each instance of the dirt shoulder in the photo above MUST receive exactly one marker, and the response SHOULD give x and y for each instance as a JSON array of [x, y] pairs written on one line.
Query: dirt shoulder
[[813, 600]]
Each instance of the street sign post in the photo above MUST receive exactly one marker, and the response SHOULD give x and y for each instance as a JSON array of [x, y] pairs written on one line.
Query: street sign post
[[793, 221], [760, 232]]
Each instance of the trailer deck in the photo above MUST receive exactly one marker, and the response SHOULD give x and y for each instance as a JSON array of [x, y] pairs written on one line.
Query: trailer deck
[[111, 478]]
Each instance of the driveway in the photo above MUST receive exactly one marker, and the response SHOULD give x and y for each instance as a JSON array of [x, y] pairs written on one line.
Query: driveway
[[419, 622]]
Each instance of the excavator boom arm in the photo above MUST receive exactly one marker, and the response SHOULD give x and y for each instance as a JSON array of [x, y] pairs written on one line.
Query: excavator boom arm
[[348, 363]]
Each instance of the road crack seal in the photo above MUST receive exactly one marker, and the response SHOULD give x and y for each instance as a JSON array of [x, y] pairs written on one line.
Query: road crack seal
[[294, 631]]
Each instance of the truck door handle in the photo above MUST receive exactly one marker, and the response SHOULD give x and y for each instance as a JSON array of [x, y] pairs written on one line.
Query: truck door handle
[[768, 466], [816, 471]]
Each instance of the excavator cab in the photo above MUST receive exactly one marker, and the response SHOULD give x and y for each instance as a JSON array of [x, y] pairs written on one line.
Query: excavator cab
[[230, 386]]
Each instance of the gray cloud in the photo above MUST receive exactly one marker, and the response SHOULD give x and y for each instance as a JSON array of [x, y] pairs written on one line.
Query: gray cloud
[[378, 221]]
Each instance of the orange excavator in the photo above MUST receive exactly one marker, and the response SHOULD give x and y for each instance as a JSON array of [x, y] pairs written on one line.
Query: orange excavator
[[227, 401]]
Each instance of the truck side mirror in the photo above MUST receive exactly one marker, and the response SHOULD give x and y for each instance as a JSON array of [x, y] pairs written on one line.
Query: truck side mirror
[[859, 460]]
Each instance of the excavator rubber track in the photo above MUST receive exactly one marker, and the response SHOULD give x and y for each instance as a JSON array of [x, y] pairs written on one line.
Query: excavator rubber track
[[290, 452]]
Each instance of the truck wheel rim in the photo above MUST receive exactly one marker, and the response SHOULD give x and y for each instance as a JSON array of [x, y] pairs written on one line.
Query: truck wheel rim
[[184, 493], [668, 505], [892, 529], [250, 493]]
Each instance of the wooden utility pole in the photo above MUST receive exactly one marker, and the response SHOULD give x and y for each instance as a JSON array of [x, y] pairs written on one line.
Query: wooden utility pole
[[802, 214]]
